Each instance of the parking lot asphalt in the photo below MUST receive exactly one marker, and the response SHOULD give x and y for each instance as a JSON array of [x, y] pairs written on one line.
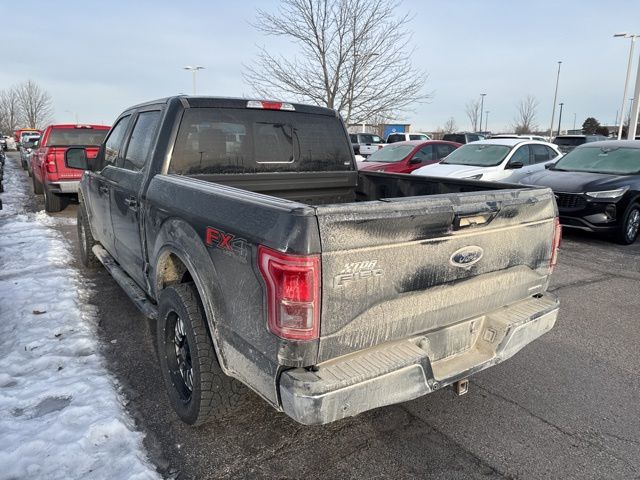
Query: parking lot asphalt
[[565, 407]]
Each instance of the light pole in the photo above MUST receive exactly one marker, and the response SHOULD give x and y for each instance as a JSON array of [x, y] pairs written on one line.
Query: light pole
[[560, 118], [486, 121], [482, 95], [75, 115], [635, 106], [626, 80], [194, 69], [555, 97]]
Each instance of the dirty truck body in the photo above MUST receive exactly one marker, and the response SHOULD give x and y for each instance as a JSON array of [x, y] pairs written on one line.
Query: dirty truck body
[[326, 290]]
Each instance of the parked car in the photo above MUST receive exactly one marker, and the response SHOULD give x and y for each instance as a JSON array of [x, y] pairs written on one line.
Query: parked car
[[403, 137], [50, 175], [328, 291], [566, 143], [597, 188], [405, 157], [18, 134], [522, 137], [2, 160], [3, 143], [26, 149], [365, 144], [462, 137], [496, 160]]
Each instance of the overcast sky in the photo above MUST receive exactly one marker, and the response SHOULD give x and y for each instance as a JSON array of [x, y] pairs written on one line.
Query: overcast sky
[[97, 58]]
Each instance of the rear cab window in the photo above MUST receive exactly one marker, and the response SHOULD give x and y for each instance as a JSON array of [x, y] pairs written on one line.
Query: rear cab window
[[236, 140], [66, 136]]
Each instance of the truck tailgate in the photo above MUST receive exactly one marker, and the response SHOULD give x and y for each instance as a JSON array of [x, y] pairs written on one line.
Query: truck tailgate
[[400, 267]]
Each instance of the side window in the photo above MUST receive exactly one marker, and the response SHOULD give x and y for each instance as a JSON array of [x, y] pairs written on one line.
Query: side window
[[539, 153], [521, 156], [442, 150], [141, 139], [354, 138], [114, 142], [552, 152], [377, 139], [393, 138], [472, 138], [425, 154], [367, 138]]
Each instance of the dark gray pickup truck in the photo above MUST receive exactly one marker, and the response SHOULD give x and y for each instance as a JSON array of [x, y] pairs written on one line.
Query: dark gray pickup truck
[[269, 261]]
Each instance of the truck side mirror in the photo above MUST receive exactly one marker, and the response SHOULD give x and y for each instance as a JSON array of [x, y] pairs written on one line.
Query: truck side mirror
[[515, 165], [76, 157], [550, 165]]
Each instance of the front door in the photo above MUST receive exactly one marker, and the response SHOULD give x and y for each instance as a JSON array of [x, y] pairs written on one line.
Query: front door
[[100, 184], [125, 198]]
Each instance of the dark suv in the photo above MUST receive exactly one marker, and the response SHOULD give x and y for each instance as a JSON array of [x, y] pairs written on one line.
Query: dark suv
[[462, 137], [566, 143]]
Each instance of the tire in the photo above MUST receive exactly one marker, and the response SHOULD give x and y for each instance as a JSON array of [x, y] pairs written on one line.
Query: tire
[[52, 201], [199, 391], [86, 240], [37, 186], [630, 227]]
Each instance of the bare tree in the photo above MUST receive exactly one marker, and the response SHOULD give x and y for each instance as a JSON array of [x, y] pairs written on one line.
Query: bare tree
[[450, 125], [35, 104], [9, 110], [524, 122], [472, 109], [354, 56]]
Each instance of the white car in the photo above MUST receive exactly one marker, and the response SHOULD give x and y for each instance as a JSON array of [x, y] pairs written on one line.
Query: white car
[[495, 160], [406, 136], [521, 137]]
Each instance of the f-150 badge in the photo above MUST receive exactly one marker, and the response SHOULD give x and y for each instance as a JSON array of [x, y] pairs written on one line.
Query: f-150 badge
[[352, 272]]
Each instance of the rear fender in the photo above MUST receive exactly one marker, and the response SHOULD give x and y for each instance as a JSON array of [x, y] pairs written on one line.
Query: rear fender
[[178, 238]]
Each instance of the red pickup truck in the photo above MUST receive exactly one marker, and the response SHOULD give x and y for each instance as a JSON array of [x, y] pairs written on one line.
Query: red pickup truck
[[50, 175]]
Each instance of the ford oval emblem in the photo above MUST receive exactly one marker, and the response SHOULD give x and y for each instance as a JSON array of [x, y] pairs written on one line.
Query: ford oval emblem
[[466, 256]]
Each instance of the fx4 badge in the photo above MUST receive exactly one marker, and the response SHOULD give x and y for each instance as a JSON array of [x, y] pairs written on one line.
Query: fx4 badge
[[355, 271], [227, 242]]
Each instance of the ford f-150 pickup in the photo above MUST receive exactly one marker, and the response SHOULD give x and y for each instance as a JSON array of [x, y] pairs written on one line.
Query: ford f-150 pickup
[[244, 228]]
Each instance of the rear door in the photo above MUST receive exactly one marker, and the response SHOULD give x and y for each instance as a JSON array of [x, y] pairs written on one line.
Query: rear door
[[389, 267], [125, 197]]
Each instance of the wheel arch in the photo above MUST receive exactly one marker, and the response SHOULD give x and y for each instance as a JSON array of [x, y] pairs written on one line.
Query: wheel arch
[[180, 256]]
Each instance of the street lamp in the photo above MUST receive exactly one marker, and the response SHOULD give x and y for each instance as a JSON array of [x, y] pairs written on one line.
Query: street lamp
[[555, 97], [482, 95], [194, 69], [560, 118], [486, 120], [626, 80]]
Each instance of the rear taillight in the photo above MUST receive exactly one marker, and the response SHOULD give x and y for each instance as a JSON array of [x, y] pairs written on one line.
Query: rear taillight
[[557, 238], [50, 162], [293, 293]]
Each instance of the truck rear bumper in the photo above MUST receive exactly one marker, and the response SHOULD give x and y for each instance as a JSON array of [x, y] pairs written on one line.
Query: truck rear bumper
[[66, 186], [402, 371]]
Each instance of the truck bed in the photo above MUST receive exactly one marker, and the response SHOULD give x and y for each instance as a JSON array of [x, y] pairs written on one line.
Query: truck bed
[[322, 188]]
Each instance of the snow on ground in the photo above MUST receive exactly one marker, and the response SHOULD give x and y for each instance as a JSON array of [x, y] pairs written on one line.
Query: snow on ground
[[60, 414]]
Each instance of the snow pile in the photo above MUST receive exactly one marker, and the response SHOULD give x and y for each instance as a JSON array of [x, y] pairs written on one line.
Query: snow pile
[[60, 415]]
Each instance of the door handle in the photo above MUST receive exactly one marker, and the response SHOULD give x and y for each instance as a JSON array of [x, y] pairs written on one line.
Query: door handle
[[474, 218], [131, 202]]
